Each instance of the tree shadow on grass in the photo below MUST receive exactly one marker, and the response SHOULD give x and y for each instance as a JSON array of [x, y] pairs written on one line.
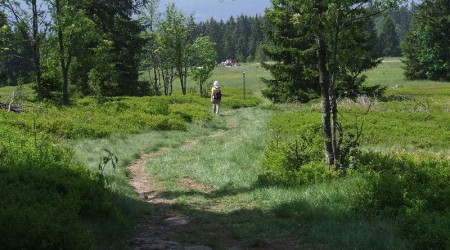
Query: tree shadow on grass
[[295, 224], [49, 205]]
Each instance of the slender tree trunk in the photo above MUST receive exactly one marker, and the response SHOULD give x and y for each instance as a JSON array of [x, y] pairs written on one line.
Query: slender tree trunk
[[172, 74], [165, 77], [155, 79], [185, 69], [36, 51], [333, 98], [183, 84], [64, 64], [182, 69], [334, 126], [170, 86], [324, 81]]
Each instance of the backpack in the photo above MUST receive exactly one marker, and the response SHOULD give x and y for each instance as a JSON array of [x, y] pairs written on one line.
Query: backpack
[[218, 94]]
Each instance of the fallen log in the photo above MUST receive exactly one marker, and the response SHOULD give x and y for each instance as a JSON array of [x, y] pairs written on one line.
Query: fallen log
[[11, 107]]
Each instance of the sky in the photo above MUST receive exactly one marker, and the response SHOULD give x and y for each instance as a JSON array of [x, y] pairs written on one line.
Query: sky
[[218, 9]]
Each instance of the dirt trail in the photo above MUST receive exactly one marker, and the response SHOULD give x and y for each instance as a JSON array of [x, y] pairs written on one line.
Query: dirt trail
[[155, 228], [165, 221]]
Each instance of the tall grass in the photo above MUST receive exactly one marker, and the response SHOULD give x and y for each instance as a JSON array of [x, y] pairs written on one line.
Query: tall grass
[[416, 120], [129, 147], [327, 213], [227, 158]]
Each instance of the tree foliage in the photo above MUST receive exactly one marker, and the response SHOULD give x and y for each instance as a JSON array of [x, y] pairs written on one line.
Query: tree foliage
[[16, 65], [115, 23], [5, 47], [236, 38], [73, 34], [389, 40], [175, 38], [103, 76], [29, 18], [67, 49], [73, 37], [203, 61], [427, 45], [294, 74], [166, 50], [172, 51], [322, 47]]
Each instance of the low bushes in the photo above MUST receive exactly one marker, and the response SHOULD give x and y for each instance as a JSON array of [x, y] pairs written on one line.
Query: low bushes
[[415, 193], [234, 98], [46, 196], [296, 162], [414, 190], [125, 115]]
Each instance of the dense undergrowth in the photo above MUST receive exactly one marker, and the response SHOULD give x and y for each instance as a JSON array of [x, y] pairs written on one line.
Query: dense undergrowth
[[402, 163], [127, 115], [50, 200], [46, 196]]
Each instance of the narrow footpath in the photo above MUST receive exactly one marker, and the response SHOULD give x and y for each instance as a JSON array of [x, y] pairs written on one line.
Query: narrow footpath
[[154, 229]]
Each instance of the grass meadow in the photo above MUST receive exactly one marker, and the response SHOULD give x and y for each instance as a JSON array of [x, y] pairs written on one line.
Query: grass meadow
[[367, 209]]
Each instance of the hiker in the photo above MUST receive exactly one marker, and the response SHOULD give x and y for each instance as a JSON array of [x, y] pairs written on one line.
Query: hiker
[[216, 95]]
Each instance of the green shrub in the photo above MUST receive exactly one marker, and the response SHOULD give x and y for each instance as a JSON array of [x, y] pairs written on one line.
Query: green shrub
[[314, 172], [414, 189], [156, 105], [46, 196], [410, 180], [87, 118], [296, 162], [426, 230], [234, 98], [295, 123], [191, 112]]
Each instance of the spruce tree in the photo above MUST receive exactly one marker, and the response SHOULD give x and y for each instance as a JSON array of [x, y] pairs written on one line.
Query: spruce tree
[[322, 45], [293, 74], [115, 21], [427, 45], [388, 40]]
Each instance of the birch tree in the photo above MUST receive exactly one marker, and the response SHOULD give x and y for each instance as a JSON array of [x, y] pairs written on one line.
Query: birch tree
[[203, 61], [74, 32], [175, 37]]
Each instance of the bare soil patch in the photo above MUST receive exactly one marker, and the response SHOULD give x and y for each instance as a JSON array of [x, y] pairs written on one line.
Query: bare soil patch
[[196, 186]]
